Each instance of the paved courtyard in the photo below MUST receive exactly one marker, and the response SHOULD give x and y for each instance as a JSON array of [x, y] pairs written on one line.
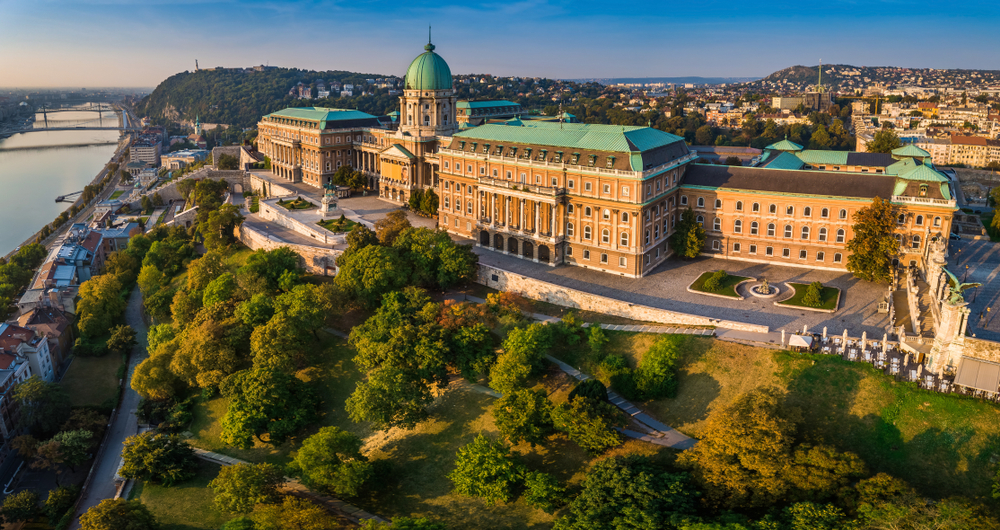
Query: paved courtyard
[[372, 208], [983, 259], [666, 288]]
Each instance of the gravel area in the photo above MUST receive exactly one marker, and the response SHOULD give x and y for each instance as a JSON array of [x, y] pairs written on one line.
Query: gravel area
[[666, 286]]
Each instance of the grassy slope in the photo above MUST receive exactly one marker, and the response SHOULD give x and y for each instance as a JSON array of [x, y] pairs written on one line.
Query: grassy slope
[[91, 380], [186, 506]]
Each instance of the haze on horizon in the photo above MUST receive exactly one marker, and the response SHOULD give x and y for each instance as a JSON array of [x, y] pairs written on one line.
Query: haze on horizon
[[129, 43]]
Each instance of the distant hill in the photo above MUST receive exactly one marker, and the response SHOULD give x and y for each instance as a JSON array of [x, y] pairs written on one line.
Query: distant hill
[[846, 77], [674, 80], [239, 98]]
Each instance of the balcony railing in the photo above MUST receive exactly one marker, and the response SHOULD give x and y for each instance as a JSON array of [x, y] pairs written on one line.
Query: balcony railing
[[511, 185], [565, 165], [923, 200]]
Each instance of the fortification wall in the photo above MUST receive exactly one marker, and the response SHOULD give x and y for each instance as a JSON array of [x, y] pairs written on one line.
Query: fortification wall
[[546, 292], [315, 260]]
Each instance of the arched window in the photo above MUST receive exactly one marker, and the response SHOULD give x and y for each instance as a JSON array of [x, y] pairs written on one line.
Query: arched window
[[824, 213], [701, 220], [789, 210], [916, 242], [605, 236], [772, 209], [920, 220], [684, 200], [840, 235], [624, 217], [738, 226], [739, 206], [717, 225], [755, 207], [587, 211], [807, 211], [586, 233], [701, 202], [901, 219], [899, 239], [822, 234], [606, 214], [770, 229], [718, 204], [843, 214], [624, 239], [569, 208], [805, 232], [569, 229], [754, 228], [788, 231], [468, 207], [937, 221]]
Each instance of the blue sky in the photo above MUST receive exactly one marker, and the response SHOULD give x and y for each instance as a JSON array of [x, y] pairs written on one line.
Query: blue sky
[[139, 43]]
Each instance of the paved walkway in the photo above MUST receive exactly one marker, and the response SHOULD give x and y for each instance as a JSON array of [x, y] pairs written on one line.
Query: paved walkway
[[983, 259], [102, 482], [293, 486]]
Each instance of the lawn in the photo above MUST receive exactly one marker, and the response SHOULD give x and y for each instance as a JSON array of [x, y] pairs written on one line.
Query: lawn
[[92, 380], [830, 296], [116, 194], [727, 288], [186, 506], [337, 225], [297, 204], [941, 444]]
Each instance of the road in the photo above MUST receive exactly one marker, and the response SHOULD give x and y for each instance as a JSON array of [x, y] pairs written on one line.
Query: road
[[102, 484]]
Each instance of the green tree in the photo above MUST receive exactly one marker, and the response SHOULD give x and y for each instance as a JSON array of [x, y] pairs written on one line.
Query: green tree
[[416, 196], [122, 339], [524, 416], [689, 238], [371, 272], [59, 501], [256, 311], [331, 461], [219, 290], [590, 424], [218, 228], [163, 458], [150, 280], [884, 141], [205, 269], [238, 488], [820, 472], [360, 237], [119, 514], [403, 523], [627, 493], [814, 295], [741, 459], [44, 406], [704, 135], [390, 397], [543, 491], [75, 446], [227, 161], [655, 378], [874, 244], [293, 514], [486, 469], [264, 402], [146, 204], [391, 226], [101, 305], [20, 506], [810, 516]]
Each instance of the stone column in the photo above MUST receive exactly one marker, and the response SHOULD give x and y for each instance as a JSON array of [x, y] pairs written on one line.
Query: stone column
[[522, 207], [538, 217]]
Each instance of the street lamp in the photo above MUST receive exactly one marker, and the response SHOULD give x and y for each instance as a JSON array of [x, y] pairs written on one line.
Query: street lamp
[[966, 274]]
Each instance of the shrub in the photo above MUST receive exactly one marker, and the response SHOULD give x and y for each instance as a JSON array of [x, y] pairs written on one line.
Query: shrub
[[814, 295], [543, 491], [485, 469], [590, 424], [655, 375], [597, 339], [591, 389], [715, 281]]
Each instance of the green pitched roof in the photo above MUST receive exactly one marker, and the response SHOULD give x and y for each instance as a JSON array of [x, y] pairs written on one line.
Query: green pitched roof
[[904, 165], [484, 104], [784, 161], [910, 150], [923, 173], [628, 139], [784, 145], [821, 157], [320, 114], [428, 72]]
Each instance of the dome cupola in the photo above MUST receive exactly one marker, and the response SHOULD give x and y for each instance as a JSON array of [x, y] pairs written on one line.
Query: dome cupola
[[428, 72]]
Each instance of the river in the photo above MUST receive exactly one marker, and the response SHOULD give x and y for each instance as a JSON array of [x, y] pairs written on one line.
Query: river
[[31, 179]]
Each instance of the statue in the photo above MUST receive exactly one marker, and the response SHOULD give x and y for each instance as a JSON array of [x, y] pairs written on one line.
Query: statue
[[329, 200], [956, 287], [765, 288]]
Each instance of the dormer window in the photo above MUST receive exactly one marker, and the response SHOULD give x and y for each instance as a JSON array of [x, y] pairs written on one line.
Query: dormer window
[[527, 153], [474, 146], [559, 156], [512, 152], [543, 154], [461, 146], [576, 158], [486, 148], [593, 160], [499, 150], [923, 190], [611, 161]]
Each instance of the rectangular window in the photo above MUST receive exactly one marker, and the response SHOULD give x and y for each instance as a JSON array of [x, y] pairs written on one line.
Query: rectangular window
[[604, 258], [586, 254], [769, 251], [625, 191], [753, 249], [802, 254], [555, 182], [622, 261], [587, 186], [571, 184], [736, 247], [786, 253]]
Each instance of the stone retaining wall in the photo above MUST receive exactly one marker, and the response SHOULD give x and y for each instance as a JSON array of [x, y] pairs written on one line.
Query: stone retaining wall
[[555, 294], [315, 260], [270, 211], [986, 350]]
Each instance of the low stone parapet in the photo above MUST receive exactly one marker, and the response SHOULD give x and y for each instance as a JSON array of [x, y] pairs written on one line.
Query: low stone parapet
[[318, 261]]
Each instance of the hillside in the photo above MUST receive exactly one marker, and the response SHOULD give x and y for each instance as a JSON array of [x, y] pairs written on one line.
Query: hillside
[[847, 78], [239, 98]]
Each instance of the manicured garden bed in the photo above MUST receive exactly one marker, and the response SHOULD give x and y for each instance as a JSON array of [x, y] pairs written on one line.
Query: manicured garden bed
[[830, 297], [727, 287], [117, 193], [337, 225], [297, 204]]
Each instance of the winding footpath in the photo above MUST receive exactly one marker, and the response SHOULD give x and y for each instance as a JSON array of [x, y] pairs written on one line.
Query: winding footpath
[[124, 424]]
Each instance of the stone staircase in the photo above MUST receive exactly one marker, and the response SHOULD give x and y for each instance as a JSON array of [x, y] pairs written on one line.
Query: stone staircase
[[924, 302]]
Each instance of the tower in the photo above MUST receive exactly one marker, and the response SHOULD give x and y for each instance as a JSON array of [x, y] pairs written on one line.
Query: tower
[[427, 106], [197, 125]]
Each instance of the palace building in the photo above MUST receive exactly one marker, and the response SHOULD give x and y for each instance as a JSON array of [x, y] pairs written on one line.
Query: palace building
[[605, 197]]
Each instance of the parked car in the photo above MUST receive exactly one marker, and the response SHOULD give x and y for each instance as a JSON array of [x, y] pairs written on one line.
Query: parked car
[[954, 236]]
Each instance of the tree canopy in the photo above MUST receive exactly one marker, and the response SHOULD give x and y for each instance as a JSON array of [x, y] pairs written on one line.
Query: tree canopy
[[874, 245]]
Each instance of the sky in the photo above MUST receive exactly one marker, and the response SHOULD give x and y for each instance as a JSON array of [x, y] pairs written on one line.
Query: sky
[[129, 43]]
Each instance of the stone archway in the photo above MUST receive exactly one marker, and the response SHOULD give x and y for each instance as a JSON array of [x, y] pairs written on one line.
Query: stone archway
[[237, 187], [512, 245], [498, 242], [484, 238], [527, 250], [543, 253]]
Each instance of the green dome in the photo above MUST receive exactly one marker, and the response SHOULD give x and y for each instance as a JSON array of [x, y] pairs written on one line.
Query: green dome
[[428, 72]]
